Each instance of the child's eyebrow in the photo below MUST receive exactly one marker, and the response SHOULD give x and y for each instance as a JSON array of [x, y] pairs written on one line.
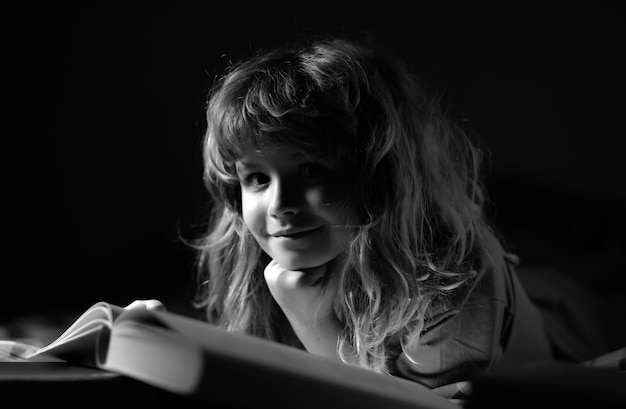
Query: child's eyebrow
[[247, 166], [315, 155], [243, 164], [247, 160], [318, 157], [254, 162]]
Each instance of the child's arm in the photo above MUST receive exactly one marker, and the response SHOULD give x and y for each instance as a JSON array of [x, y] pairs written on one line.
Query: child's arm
[[307, 301]]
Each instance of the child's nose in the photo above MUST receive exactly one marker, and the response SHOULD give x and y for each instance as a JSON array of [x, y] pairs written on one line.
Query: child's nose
[[284, 200]]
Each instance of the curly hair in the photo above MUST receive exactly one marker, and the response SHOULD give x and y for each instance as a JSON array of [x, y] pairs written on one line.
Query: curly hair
[[420, 198]]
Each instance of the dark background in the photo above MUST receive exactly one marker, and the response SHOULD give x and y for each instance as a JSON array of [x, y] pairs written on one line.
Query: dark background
[[102, 121]]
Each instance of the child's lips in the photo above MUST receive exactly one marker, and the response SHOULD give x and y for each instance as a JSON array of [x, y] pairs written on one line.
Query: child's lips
[[295, 233]]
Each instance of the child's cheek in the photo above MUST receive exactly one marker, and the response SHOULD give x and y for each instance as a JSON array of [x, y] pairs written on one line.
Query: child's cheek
[[253, 215], [315, 197], [337, 192], [334, 201]]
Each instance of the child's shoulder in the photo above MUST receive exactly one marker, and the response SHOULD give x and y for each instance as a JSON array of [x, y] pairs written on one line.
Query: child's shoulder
[[462, 332], [487, 294]]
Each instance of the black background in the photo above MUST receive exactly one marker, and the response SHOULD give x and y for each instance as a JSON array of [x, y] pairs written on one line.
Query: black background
[[102, 122]]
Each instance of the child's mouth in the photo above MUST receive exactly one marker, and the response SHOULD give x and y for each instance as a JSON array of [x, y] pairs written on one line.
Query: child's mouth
[[298, 234]]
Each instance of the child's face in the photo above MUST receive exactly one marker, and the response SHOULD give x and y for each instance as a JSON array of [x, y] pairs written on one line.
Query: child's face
[[299, 209]]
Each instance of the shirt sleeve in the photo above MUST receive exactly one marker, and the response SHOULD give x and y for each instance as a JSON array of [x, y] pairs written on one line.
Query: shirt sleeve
[[460, 339], [489, 321]]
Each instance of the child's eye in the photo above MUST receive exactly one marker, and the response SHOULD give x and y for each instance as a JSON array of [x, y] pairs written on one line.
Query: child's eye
[[312, 170], [256, 179]]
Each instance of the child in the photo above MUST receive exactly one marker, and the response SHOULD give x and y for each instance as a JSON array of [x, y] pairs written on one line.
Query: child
[[348, 220]]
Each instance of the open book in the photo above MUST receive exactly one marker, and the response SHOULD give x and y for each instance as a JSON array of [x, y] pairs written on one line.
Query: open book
[[194, 358]]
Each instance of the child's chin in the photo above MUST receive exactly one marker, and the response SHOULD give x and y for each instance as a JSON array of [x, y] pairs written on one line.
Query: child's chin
[[299, 264]]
